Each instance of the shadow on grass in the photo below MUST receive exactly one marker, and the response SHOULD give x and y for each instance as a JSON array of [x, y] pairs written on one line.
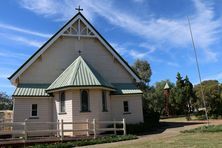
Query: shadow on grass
[[164, 125]]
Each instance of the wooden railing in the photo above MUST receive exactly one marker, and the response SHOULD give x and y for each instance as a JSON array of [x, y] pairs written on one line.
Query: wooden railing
[[59, 128]]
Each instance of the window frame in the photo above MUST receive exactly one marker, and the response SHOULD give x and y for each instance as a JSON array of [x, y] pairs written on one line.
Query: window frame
[[104, 101], [62, 100], [124, 107], [81, 101], [34, 110]]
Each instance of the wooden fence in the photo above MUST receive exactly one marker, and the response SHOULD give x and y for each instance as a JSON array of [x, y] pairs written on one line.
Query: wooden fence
[[59, 128]]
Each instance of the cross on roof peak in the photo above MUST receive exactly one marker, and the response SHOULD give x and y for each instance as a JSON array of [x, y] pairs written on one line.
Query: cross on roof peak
[[79, 51], [79, 9]]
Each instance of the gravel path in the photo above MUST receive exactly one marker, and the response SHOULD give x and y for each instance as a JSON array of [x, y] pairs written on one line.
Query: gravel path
[[171, 130]]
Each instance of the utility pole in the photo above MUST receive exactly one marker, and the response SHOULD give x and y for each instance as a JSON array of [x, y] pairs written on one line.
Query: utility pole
[[198, 70]]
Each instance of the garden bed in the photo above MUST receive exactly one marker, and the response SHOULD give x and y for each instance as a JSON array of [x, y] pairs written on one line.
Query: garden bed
[[100, 140]]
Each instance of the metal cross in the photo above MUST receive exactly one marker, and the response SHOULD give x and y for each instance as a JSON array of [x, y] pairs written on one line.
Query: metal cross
[[79, 9], [79, 52]]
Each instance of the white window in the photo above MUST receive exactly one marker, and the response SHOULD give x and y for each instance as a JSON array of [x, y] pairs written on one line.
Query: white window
[[34, 112], [125, 106], [104, 101], [62, 102]]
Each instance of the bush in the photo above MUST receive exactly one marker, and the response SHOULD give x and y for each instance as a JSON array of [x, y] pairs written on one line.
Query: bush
[[100, 140], [205, 129]]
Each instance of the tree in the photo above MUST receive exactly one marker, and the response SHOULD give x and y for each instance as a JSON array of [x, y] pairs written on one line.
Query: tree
[[182, 97], [189, 96], [155, 96], [212, 94], [5, 102], [142, 68]]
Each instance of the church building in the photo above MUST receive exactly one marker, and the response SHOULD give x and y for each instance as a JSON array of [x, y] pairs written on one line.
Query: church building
[[76, 75]]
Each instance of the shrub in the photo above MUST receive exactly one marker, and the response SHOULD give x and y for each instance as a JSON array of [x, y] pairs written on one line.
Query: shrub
[[84, 142]]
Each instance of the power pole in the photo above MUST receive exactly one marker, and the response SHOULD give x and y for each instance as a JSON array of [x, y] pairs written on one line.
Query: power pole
[[198, 70]]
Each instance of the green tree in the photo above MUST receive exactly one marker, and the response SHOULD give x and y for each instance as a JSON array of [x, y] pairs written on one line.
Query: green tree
[[142, 68], [189, 96], [182, 97], [212, 94], [5, 102], [155, 97]]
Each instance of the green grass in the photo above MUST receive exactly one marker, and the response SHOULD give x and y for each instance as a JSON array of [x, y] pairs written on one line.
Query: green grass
[[100, 140], [183, 140], [205, 129], [178, 119]]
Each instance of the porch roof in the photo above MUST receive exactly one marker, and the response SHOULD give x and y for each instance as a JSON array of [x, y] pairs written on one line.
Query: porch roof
[[126, 88], [79, 74], [31, 90]]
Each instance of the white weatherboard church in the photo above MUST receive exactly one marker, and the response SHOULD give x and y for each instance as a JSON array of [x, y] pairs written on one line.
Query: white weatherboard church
[[76, 75]]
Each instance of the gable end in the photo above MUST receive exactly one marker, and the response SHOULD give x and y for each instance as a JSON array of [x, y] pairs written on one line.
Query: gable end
[[18, 72]]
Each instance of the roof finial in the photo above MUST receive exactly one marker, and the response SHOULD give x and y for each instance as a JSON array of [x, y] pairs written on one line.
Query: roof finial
[[79, 52], [79, 9]]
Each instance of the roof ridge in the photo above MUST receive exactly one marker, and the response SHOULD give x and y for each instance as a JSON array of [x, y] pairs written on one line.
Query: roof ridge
[[78, 66]]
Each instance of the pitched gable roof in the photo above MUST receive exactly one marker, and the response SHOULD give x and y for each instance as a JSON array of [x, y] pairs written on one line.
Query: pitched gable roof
[[79, 74], [18, 72]]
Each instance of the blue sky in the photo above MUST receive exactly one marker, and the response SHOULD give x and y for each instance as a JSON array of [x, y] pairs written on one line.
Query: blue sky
[[153, 30]]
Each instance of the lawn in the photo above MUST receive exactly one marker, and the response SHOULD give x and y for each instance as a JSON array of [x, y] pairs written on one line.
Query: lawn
[[184, 140], [178, 119]]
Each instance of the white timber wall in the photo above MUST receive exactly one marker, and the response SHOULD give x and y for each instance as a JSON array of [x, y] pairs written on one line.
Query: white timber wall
[[73, 108], [67, 116], [135, 114], [65, 50], [22, 111]]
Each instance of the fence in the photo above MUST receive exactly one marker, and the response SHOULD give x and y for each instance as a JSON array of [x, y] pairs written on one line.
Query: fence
[[59, 129]]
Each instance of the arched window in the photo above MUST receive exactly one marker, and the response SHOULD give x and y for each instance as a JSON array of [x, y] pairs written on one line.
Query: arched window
[[104, 101], [62, 102], [84, 101]]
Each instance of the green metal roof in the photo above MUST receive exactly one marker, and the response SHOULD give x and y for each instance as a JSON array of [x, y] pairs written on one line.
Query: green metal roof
[[79, 74], [39, 90], [31, 90], [126, 88]]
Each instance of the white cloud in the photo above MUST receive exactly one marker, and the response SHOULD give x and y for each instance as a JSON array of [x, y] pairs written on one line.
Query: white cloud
[[4, 76], [22, 30], [172, 64], [7, 54], [119, 49], [217, 76], [166, 31], [60, 10], [22, 40], [137, 55], [138, 1]]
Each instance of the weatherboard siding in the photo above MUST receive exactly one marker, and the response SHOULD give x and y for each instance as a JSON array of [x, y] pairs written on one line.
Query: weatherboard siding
[[135, 108], [52, 62], [68, 115], [22, 111]]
